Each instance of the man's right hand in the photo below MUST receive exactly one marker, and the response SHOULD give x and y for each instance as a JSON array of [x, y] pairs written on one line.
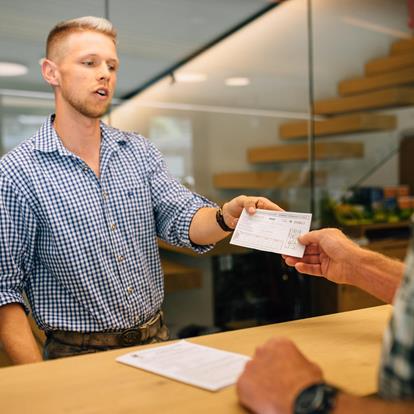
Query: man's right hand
[[329, 253], [16, 335]]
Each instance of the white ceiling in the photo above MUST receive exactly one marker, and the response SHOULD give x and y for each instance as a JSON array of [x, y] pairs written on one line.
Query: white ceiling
[[272, 51], [153, 34]]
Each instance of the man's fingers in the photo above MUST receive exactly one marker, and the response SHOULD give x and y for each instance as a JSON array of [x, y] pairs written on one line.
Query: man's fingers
[[309, 269], [266, 204], [312, 237], [253, 203]]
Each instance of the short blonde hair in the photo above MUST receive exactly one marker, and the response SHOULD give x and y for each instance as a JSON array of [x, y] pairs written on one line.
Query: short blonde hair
[[91, 23]]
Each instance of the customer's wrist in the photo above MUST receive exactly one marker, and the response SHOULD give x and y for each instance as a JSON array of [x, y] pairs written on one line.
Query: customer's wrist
[[318, 398]]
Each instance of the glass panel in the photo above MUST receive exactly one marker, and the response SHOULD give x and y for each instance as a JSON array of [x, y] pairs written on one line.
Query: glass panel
[[237, 95], [363, 90]]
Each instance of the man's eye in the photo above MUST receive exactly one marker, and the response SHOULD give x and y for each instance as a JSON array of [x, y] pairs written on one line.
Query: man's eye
[[112, 68], [88, 63]]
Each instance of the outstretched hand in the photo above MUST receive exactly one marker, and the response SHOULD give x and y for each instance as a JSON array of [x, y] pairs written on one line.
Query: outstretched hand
[[328, 253], [233, 209]]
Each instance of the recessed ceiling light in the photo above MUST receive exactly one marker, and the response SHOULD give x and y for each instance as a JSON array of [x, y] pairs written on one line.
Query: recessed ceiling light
[[237, 81], [12, 69], [190, 77]]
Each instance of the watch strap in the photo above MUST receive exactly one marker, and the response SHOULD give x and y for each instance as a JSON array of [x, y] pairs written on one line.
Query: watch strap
[[318, 398], [221, 222]]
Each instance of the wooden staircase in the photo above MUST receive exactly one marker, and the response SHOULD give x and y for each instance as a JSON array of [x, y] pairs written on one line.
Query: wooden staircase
[[347, 124], [388, 82]]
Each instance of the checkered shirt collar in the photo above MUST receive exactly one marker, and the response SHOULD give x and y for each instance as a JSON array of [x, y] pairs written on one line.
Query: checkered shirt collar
[[47, 140]]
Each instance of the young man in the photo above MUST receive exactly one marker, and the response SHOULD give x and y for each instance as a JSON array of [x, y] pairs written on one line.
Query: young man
[[280, 379], [81, 206]]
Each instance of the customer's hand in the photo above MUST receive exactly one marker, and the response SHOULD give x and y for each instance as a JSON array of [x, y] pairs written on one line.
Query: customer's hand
[[328, 253], [272, 380], [233, 209]]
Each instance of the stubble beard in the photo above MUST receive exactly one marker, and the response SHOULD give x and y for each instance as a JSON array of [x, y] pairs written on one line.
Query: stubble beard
[[85, 108]]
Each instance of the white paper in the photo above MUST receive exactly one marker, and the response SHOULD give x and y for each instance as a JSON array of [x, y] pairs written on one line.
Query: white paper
[[193, 364], [272, 231]]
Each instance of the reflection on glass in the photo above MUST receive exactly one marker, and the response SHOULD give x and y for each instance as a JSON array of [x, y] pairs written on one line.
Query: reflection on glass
[[173, 137]]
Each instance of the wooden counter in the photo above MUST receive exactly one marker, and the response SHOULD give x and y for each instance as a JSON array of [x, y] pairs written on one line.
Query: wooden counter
[[346, 345]]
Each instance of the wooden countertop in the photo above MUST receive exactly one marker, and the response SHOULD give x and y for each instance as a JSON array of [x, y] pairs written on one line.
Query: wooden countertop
[[347, 346]]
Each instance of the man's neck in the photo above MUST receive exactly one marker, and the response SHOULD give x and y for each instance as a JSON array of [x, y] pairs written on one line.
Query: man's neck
[[80, 135]]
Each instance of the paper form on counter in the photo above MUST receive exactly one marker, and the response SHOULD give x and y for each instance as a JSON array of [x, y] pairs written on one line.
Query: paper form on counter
[[193, 364], [272, 231]]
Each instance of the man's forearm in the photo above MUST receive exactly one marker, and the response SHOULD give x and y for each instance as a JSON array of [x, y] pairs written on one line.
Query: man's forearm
[[377, 274], [204, 228], [347, 404], [16, 335]]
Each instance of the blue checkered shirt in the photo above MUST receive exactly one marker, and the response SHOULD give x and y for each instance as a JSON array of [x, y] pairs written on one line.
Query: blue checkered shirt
[[82, 248], [396, 380]]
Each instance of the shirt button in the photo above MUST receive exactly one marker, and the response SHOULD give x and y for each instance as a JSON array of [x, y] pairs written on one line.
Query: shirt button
[[105, 195], [130, 289], [120, 258], [85, 169], [113, 226]]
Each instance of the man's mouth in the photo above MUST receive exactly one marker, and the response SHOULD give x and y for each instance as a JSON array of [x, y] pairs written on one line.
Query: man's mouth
[[102, 92]]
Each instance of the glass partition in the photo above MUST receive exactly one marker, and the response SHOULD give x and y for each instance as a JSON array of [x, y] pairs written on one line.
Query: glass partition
[[227, 98], [362, 92]]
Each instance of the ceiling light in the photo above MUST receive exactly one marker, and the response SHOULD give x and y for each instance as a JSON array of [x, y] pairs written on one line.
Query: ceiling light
[[12, 69], [237, 81], [190, 77]]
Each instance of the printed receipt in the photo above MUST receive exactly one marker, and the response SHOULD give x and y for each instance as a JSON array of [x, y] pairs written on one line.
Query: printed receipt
[[193, 364], [272, 231]]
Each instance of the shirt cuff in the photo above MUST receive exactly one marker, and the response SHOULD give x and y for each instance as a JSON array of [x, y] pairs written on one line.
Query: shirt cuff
[[13, 297], [201, 202]]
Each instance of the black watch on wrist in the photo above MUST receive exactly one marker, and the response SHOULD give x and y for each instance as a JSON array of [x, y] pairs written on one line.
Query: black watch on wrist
[[316, 399], [221, 222]]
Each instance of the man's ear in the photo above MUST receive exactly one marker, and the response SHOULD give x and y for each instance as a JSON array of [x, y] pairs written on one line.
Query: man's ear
[[50, 72]]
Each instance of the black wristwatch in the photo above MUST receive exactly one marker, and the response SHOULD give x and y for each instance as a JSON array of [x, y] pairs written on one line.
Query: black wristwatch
[[221, 222], [316, 399]]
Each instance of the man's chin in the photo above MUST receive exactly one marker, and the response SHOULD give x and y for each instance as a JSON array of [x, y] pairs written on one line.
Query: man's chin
[[96, 114]]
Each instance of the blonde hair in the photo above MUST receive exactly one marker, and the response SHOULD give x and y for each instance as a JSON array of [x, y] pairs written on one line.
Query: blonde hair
[[66, 27]]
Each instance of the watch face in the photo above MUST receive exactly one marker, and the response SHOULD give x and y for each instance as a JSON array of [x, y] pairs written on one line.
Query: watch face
[[309, 400]]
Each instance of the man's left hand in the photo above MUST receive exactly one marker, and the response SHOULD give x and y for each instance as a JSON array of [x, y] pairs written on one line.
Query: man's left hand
[[233, 209], [272, 380]]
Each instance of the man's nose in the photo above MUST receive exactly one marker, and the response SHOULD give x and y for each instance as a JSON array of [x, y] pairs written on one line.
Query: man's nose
[[104, 72]]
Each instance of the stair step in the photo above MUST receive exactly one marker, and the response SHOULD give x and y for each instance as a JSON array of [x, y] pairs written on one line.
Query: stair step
[[300, 152], [371, 83], [389, 64], [402, 46], [386, 98], [180, 277], [265, 179], [346, 124]]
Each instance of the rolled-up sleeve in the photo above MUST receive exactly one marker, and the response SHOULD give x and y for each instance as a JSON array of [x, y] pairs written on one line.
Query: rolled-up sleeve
[[174, 205], [18, 230]]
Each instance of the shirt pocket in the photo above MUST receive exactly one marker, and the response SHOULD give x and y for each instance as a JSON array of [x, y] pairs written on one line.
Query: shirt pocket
[[135, 210]]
